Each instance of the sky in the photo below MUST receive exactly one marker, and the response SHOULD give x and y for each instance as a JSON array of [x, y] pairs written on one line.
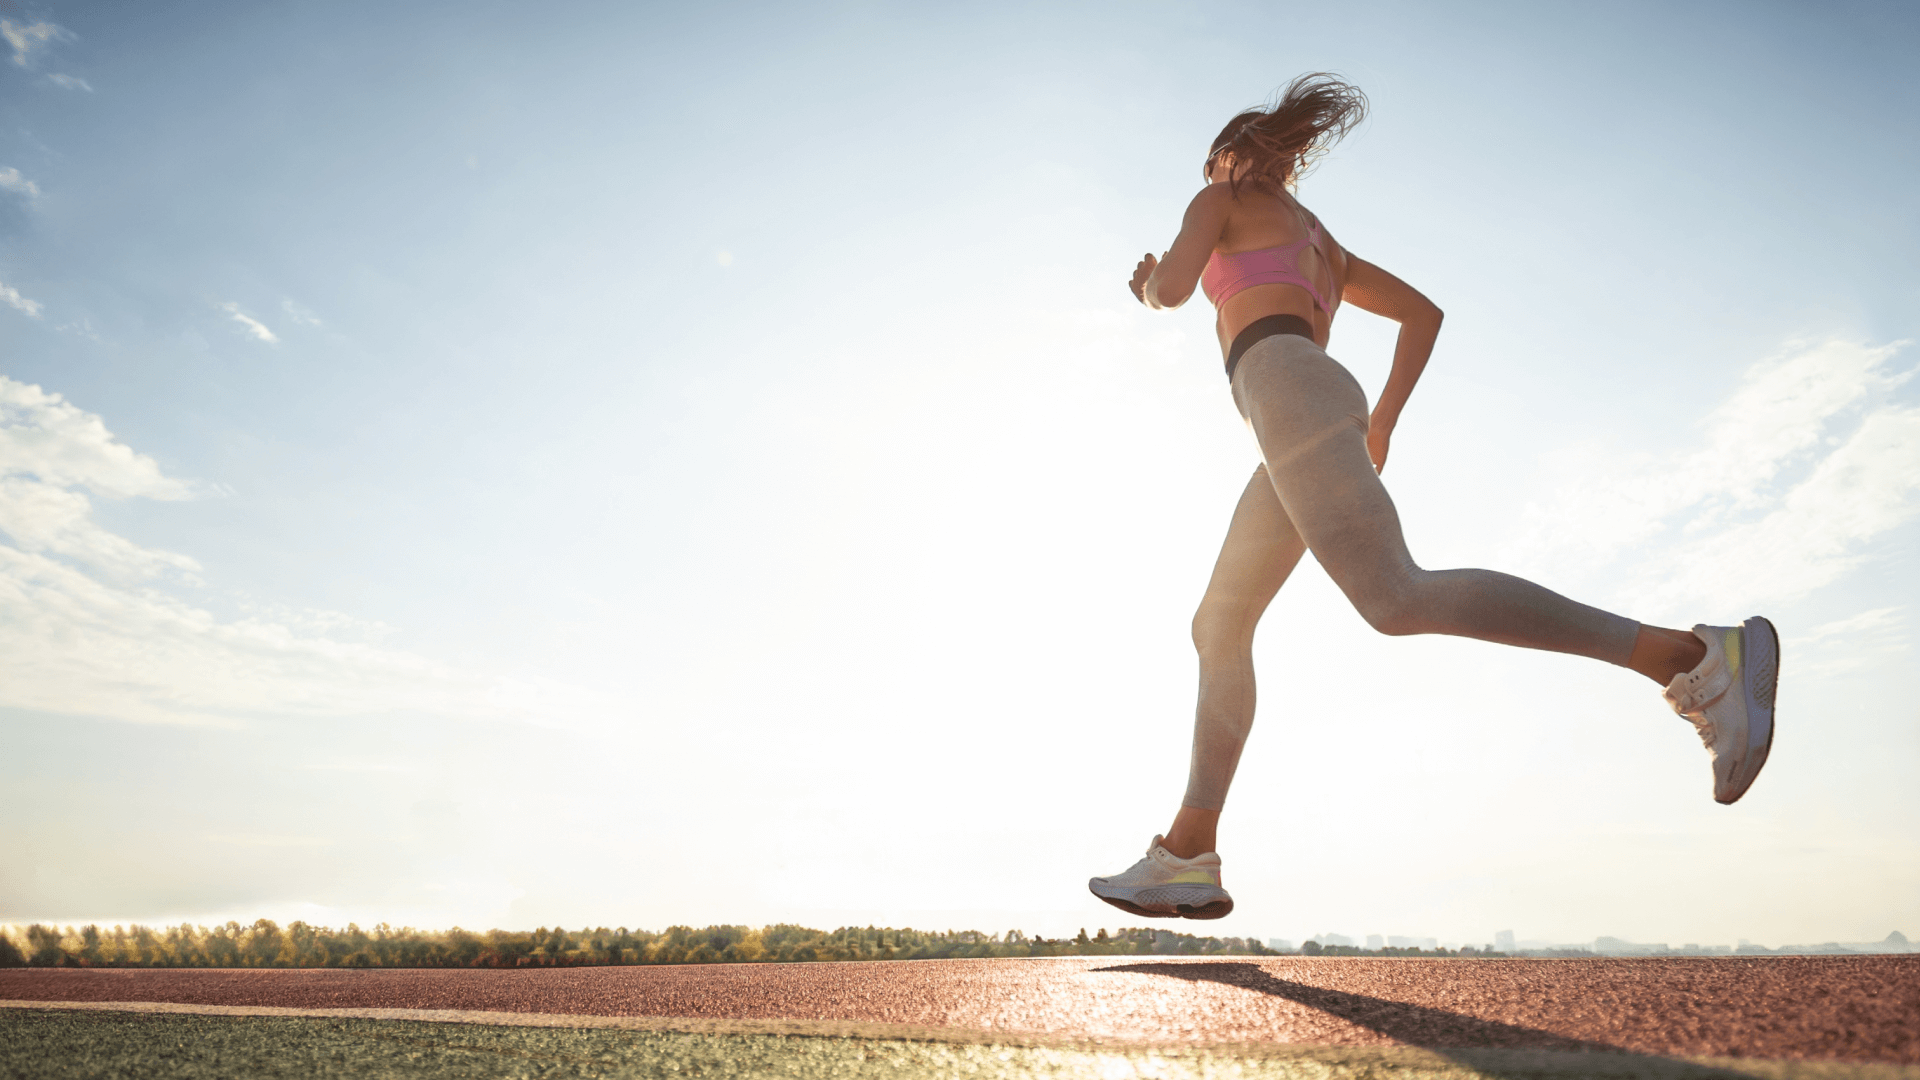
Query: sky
[[631, 464]]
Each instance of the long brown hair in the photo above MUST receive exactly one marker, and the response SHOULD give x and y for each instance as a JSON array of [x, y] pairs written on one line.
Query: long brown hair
[[1273, 147]]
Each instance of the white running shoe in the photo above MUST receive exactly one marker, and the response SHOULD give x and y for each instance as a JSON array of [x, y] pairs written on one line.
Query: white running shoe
[[1164, 886], [1729, 699]]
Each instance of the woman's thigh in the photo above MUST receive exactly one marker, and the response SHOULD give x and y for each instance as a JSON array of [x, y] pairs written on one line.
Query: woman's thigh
[[1310, 417]]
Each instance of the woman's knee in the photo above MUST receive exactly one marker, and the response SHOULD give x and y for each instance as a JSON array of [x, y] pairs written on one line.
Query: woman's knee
[[1224, 623], [1396, 611]]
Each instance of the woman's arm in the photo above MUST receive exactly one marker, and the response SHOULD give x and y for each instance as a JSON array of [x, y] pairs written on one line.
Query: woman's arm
[[1167, 282], [1373, 289]]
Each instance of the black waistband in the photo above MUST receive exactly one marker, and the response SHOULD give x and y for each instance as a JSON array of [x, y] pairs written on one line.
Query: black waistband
[[1261, 329]]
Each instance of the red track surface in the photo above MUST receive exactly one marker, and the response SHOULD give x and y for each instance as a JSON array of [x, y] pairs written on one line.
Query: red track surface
[[1851, 1009]]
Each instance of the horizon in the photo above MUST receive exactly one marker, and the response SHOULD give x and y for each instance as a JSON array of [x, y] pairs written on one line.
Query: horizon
[[706, 464], [25, 940], [1371, 942]]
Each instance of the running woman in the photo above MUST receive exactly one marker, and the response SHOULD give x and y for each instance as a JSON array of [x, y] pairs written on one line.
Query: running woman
[[1276, 277]]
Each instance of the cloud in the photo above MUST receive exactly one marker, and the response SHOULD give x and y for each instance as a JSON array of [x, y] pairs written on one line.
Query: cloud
[[1806, 463], [81, 644], [49, 452], [44, 437], [12, 181], [253, 326], [90, 623], [11, 297], [1856, 643], [1812, 532], [299, 313], [41, 517], [70, 82], [1878, 621], [26, 38]]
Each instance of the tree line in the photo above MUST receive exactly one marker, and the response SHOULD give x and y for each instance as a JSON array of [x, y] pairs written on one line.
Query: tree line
[[299, 945]]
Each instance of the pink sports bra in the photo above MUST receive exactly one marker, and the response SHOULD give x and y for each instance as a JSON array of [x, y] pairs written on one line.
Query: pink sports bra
[[1226, 274]]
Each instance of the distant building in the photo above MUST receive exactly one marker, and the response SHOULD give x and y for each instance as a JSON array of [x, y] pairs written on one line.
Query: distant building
[[1332, 939], [1373, 941], [1280, 944], [1503, 941], [1613, 946], [1895, 942], [1398, 942]]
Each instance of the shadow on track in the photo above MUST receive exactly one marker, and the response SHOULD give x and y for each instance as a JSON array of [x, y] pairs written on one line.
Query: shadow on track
[[1491, 1047]]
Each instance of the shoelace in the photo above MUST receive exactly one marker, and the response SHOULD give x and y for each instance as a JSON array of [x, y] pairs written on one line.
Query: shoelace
[[1703, 728], [1692, 697]]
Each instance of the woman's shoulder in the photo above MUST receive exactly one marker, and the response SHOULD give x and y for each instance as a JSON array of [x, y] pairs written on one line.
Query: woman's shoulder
[[1249, 205], [1214, 197], [1207, 215]]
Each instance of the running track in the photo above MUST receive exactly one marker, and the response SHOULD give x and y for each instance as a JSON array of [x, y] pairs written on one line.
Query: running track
[[1857, 1009]]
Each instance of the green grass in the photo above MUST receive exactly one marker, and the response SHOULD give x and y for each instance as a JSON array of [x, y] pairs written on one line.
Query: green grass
[[98, 1045]]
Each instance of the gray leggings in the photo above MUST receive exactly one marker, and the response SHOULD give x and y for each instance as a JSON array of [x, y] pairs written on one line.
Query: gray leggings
[[1317, 490]]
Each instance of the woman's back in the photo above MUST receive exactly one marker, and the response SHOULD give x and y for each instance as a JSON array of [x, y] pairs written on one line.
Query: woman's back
[[1272, 258]]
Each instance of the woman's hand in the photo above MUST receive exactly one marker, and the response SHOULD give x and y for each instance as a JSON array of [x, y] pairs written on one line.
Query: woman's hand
[[1373, 289], [1379, 433], [1140, 275]]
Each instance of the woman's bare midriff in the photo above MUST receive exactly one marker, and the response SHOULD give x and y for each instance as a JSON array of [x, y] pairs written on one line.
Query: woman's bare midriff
[[1245, 308]]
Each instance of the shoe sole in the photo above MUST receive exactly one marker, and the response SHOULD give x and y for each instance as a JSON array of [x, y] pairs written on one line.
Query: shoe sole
[[1760, 685], [1169, 901]]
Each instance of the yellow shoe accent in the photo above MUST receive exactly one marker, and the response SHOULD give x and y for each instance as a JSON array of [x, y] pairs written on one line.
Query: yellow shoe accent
[[1733, 652], [1193, 877]]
